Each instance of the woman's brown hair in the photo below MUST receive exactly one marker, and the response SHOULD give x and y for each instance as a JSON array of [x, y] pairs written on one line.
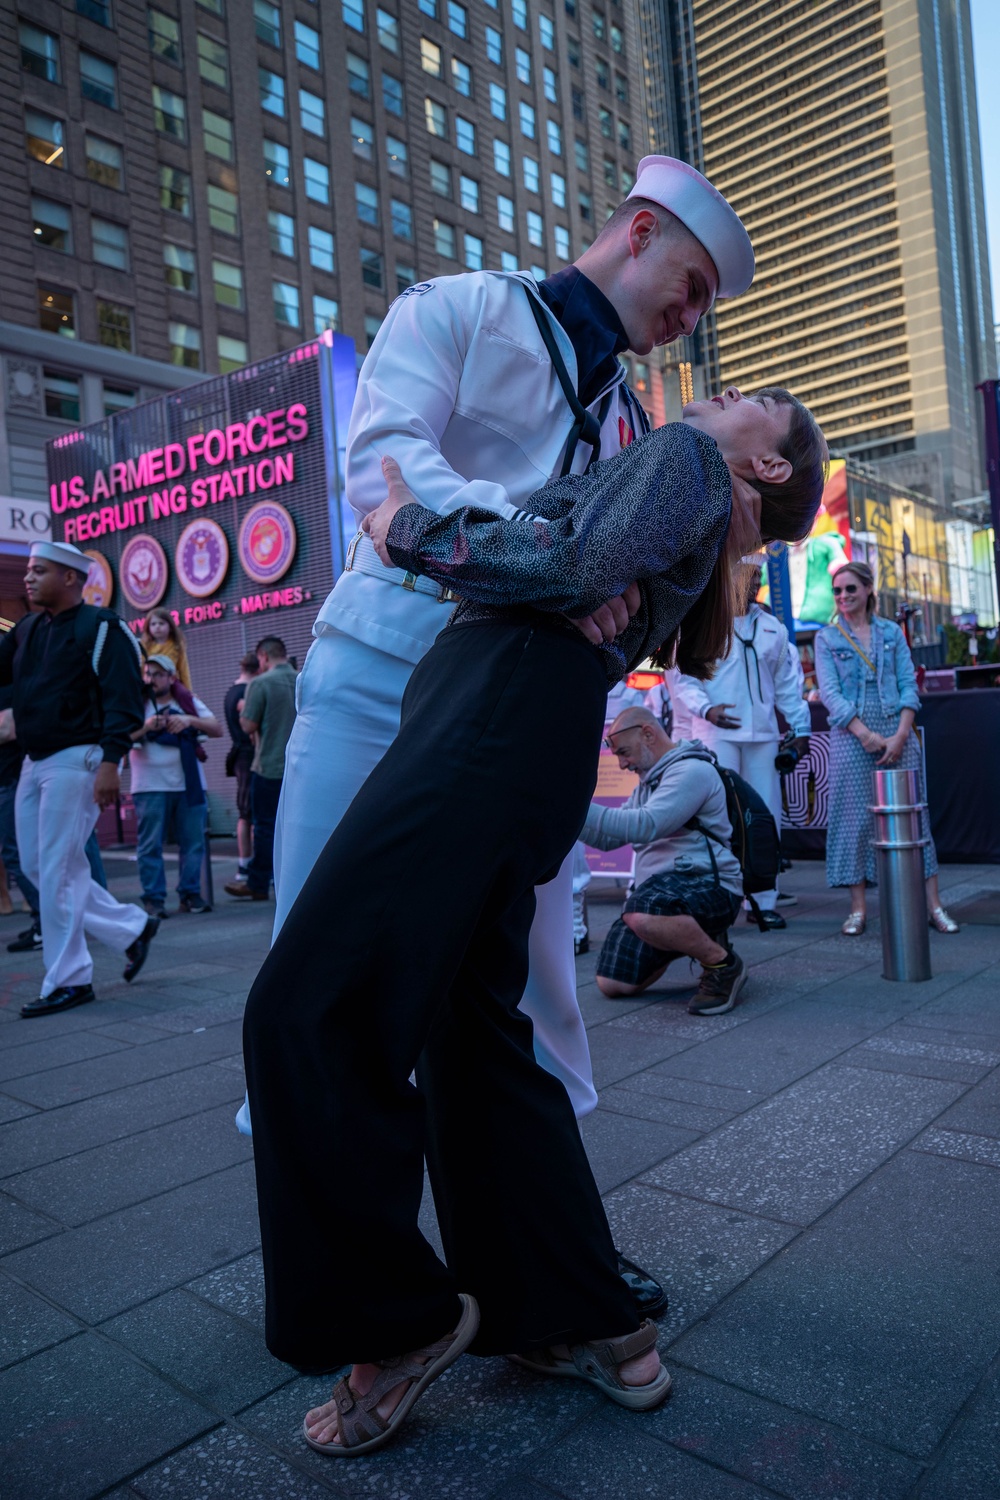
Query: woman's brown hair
[[863, 574]]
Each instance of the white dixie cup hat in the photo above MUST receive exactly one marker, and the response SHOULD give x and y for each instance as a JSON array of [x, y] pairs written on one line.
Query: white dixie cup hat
[[701, 208], [63, 554]]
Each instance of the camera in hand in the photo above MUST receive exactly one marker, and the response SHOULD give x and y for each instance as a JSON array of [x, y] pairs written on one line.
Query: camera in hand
[[788, 755]]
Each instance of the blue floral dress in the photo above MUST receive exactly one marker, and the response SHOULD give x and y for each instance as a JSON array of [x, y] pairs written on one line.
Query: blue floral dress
[[850, 833]]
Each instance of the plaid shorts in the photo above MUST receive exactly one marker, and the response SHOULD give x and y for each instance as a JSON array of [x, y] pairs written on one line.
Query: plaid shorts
[[628, 959]]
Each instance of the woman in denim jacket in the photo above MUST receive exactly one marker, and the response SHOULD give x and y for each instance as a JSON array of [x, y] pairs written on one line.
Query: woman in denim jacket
[[867, 682]]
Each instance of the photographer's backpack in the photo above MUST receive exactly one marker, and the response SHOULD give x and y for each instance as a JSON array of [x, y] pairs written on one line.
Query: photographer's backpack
[[756, 842]]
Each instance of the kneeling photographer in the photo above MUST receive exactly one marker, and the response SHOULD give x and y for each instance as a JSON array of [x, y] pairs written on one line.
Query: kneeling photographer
[[734, 715]]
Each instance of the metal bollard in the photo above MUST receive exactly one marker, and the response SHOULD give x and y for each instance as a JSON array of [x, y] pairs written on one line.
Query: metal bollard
[[906, 949]]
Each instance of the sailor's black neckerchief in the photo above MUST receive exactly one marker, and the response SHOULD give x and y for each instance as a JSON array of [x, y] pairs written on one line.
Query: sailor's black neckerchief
[[594, 328]]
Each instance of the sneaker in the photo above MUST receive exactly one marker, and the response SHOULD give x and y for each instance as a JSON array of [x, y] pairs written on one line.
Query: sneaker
[[193, 903], [28, 941], [154, 909], [719, 987], [788, 900]]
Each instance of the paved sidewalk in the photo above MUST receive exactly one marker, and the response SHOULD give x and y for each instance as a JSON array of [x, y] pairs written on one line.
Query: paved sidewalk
[[815, 1177]]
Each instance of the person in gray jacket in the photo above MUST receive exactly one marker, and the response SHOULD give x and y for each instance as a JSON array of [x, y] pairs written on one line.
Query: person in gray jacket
[[688, 883]]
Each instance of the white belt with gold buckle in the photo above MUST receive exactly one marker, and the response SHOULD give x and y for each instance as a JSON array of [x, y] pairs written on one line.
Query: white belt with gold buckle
[[362, 558]]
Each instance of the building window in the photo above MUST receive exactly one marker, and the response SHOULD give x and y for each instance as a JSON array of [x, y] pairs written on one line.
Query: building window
[[312, 116], [39, 52], [164, 36], [536, 234], [494, 46], [429, 8], [573, 51], [398, 156], [468, 194], [272, 92], [519, 12], [62, 396], [372, 326], [598, 22], [505, 213], [317, 177], [267, 22], [603, 74], [498, 101], [458, 19], [560, 236], [621, 88], [362, 138], [185, 345], [285, 300], [168, 113], [179, 269], [388, 30], [532, 176], [465, 136], [508, 260], [607, 123], [43, 135], [609, 172], [617, 39], [436, 118], [461, 77], [401, 215], [405, 276], [223, 210], [52, 225], [440, 178], [213, 61], [232, 353], [586, 206], [372, 273], [227, 284], [581, 154], [473, 247], [215, 6], [95, 10], [557, 189], [353, 13], [522, 65], [175, 190], [109, 243], [547, 33], [392, 95], [501, 158], [549, 85], [444, 239], [281, 232], [277, 163], [321, 249], [56, 311], [366, 203], [326, 314], [576, 101], [358, 76], [539, 272], [114, 325], [624, 135], [118, 398], [526, 115], [430, 57], [626, 181], [553, 133], [99, 80], [218, 134]]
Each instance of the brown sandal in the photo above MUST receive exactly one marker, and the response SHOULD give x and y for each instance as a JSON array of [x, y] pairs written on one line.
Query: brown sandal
[[360, 1426], [598, 1361]]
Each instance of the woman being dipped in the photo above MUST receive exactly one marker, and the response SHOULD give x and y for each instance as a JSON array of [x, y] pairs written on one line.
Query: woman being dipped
[[424, 894], [868, 684]]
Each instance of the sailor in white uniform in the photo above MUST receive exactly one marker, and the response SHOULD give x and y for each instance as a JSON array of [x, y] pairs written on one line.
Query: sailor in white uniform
[[734, 713]]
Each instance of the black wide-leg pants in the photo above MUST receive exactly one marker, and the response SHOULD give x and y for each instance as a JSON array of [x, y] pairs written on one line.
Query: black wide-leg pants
[[409, 944]]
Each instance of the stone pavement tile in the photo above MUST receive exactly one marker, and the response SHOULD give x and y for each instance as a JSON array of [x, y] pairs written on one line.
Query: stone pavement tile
[[79, 1188], [27, 1324], [969, 1468], [13, 1109], [699, 1251], [617, 1054], [29, 1142], [596, 1008], [20, 1226], [978, 1110], [220, 1360], [239, 1288], [44, 1052], [521, 1489], [981, 1148], [84, 1415], [76, 1081], [214, 1012], [657, 1080], [790, 1454], [135, 1032], [644, 1105], [110, 1265], [619, 1146], [228, 1465], [808, 1145], [922, 1053], [883, 1318], [45, 1028], [609, 1457], [482, 1421]]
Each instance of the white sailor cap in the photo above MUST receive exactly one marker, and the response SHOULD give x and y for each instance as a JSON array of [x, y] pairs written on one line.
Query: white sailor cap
[[64, 554], [156, 659], [701, 208]]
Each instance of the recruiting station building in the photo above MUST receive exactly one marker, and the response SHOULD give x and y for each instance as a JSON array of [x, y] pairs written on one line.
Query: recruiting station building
[[223, 503]]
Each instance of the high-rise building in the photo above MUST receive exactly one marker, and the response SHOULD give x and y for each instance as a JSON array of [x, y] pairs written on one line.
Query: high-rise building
[[193, 184], [845, 134]]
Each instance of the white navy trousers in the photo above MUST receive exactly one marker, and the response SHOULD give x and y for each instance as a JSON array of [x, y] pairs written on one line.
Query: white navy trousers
[[54, 814], [349, 696], [754, 761]]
